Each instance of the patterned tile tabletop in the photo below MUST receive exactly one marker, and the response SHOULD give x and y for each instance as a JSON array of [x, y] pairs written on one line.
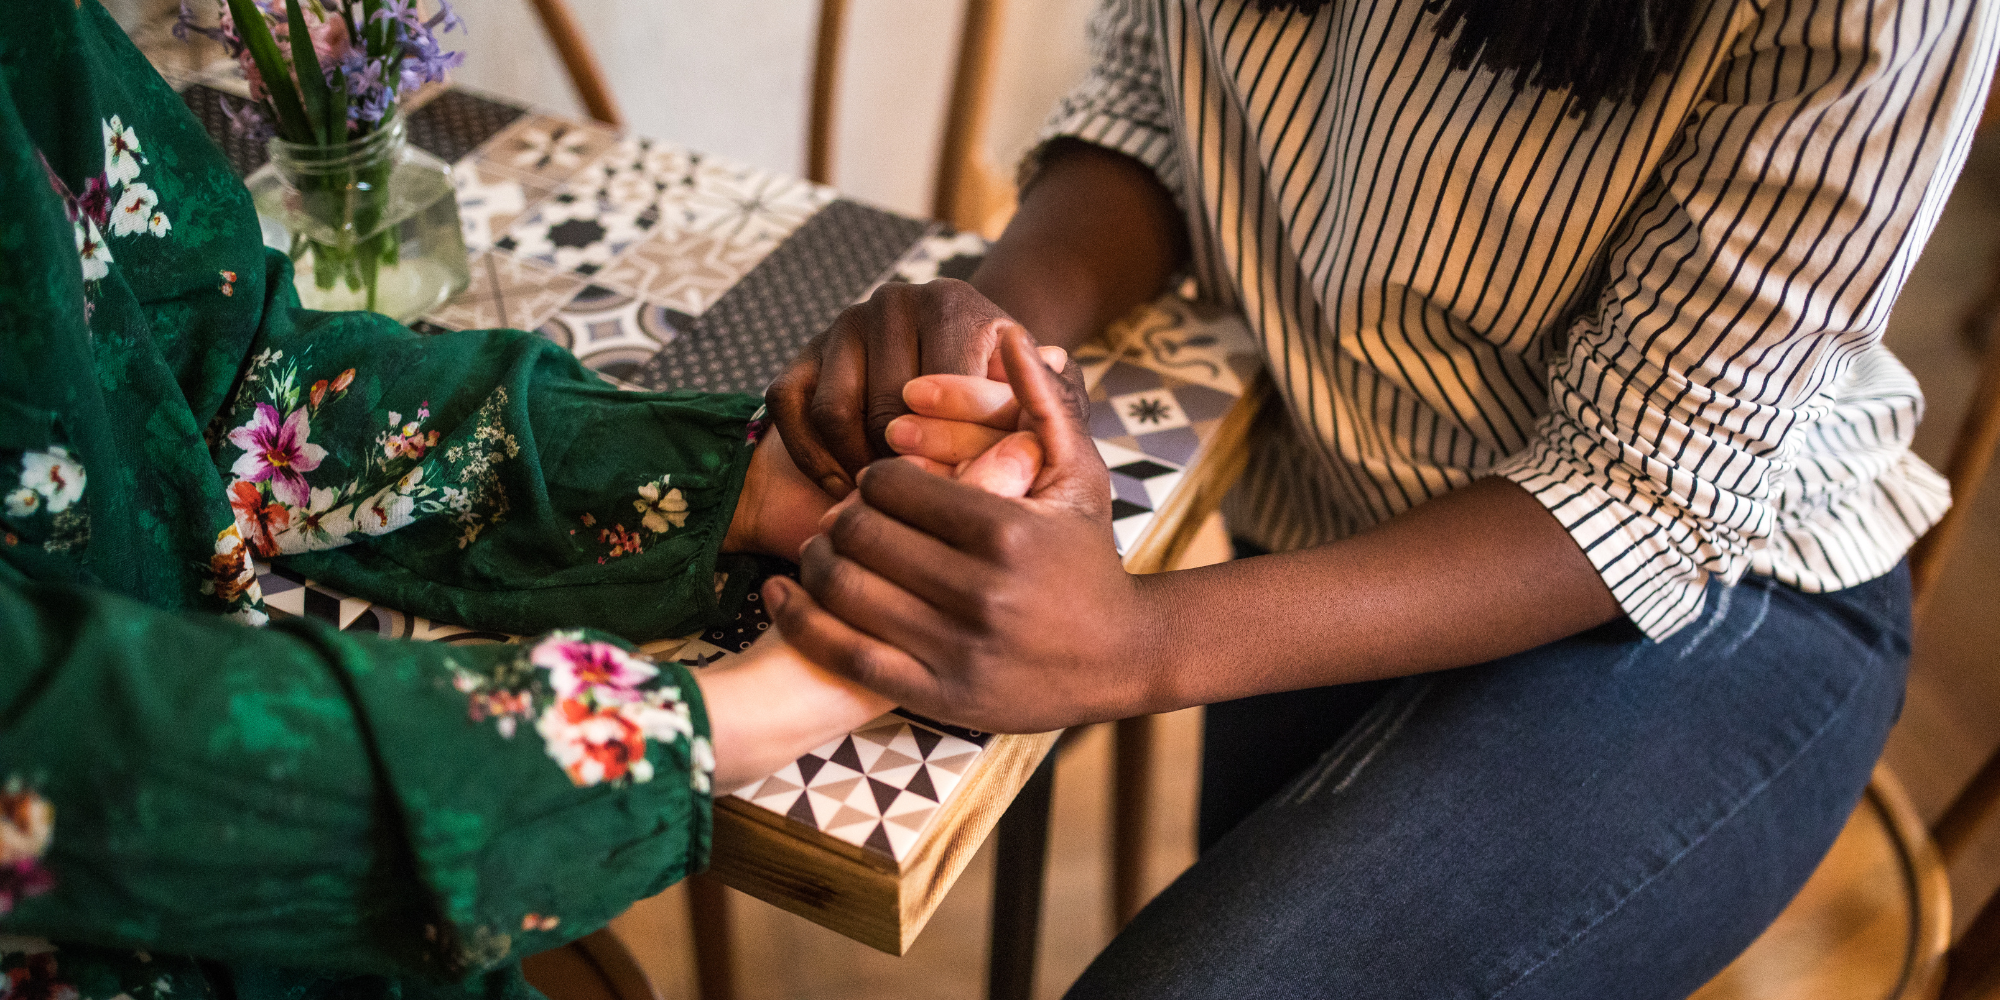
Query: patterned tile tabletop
[[663, 267]]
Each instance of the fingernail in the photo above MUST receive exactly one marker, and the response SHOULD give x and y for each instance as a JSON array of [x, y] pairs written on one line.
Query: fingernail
[[903, 435], [920, 394], [834, 484], [780, 593]]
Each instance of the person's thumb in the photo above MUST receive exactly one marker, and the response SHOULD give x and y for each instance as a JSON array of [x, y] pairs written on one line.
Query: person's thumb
[[1055, 407]]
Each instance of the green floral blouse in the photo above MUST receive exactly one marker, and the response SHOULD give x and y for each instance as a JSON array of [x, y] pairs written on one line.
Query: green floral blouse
[[307, 812]]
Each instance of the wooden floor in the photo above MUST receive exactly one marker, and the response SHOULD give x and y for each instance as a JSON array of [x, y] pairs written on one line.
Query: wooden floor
[[1951, 720]]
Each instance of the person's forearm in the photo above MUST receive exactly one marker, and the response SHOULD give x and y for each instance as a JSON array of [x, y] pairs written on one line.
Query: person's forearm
[[1096, 234], [772, 705], [1472, 576]]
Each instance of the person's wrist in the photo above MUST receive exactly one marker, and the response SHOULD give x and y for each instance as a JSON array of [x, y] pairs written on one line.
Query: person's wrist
[[1155, 638], [1057, 305]]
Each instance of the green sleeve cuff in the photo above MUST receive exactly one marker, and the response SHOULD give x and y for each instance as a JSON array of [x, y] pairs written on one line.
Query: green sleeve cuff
[[543, 788]]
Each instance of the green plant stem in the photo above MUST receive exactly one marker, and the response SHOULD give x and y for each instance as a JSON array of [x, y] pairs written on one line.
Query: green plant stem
[[293, 123], [311, 81]]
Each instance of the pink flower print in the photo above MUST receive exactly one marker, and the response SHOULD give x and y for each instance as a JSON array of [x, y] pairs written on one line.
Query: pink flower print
[[594, 745], [21, 880], [576, 666], [277, 451], [95, 204]]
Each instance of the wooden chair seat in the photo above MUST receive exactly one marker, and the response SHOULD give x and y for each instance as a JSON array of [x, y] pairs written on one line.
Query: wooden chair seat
[[1872, 923]]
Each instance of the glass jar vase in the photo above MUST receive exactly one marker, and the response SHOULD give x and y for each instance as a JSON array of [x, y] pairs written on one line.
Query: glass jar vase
[[371, 224]]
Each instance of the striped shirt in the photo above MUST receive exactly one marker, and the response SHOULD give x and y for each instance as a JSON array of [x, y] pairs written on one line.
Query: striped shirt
[[1663, 320]]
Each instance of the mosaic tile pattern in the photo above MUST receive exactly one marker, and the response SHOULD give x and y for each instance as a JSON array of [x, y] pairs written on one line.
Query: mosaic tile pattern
[[686, 271], [456, 122], [547, 148], [941, 255], [507, 292], [877, 787], [289, 593], [492, 198], [575, 231], [612, 332], [748, 336]]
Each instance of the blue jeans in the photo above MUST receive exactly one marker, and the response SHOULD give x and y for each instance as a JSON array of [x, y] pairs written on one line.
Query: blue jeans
[[1605, 816]]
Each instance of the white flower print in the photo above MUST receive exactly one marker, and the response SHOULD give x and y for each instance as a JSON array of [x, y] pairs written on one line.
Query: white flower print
[[699, 777], [385, 512], [158, 224], [23, 502], [90, 248], [53, 474], [322, 523], [134, 209], [121, 152], [662, 508]]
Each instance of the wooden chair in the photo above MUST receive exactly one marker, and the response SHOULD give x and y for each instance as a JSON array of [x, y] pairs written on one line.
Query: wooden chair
[[1874, 921], [968, 192], [585, 74]]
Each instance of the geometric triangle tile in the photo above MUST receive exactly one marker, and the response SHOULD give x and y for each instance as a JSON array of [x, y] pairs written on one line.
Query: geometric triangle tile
[[838, 790], [954, 764], [921, 784], [942, 781], [867, 752], [890, 760], [896, 840], [880, 842]]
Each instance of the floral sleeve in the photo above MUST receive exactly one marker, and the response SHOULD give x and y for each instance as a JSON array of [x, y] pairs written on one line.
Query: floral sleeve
[[272, 795], [482, 477]]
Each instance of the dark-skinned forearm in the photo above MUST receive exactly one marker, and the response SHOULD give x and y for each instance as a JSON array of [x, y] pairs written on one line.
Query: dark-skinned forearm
[[1469, 577], [1096, 234]]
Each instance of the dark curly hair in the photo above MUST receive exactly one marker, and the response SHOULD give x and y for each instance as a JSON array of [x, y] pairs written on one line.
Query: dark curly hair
[[1597, 50]]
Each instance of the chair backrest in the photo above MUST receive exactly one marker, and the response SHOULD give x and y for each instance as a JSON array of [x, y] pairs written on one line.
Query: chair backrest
[[1972, 969], [585, 74], [967, 192]]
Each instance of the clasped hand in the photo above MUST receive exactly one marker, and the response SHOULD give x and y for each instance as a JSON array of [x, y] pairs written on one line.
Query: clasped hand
[[1008, 615]]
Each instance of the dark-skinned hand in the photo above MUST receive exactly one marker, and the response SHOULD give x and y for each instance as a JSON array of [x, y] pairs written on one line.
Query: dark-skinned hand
[[1007, 615], [834, 403]]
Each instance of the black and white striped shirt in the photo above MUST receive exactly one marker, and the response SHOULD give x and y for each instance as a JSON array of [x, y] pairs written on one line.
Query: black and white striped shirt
[[1664, 320]]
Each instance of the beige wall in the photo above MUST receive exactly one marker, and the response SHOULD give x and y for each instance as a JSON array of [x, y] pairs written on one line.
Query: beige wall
[[731, 78]]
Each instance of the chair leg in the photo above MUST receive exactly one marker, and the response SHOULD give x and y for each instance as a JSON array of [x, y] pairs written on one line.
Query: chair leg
[[1021, 849], [708, 914], [1131, 803]]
